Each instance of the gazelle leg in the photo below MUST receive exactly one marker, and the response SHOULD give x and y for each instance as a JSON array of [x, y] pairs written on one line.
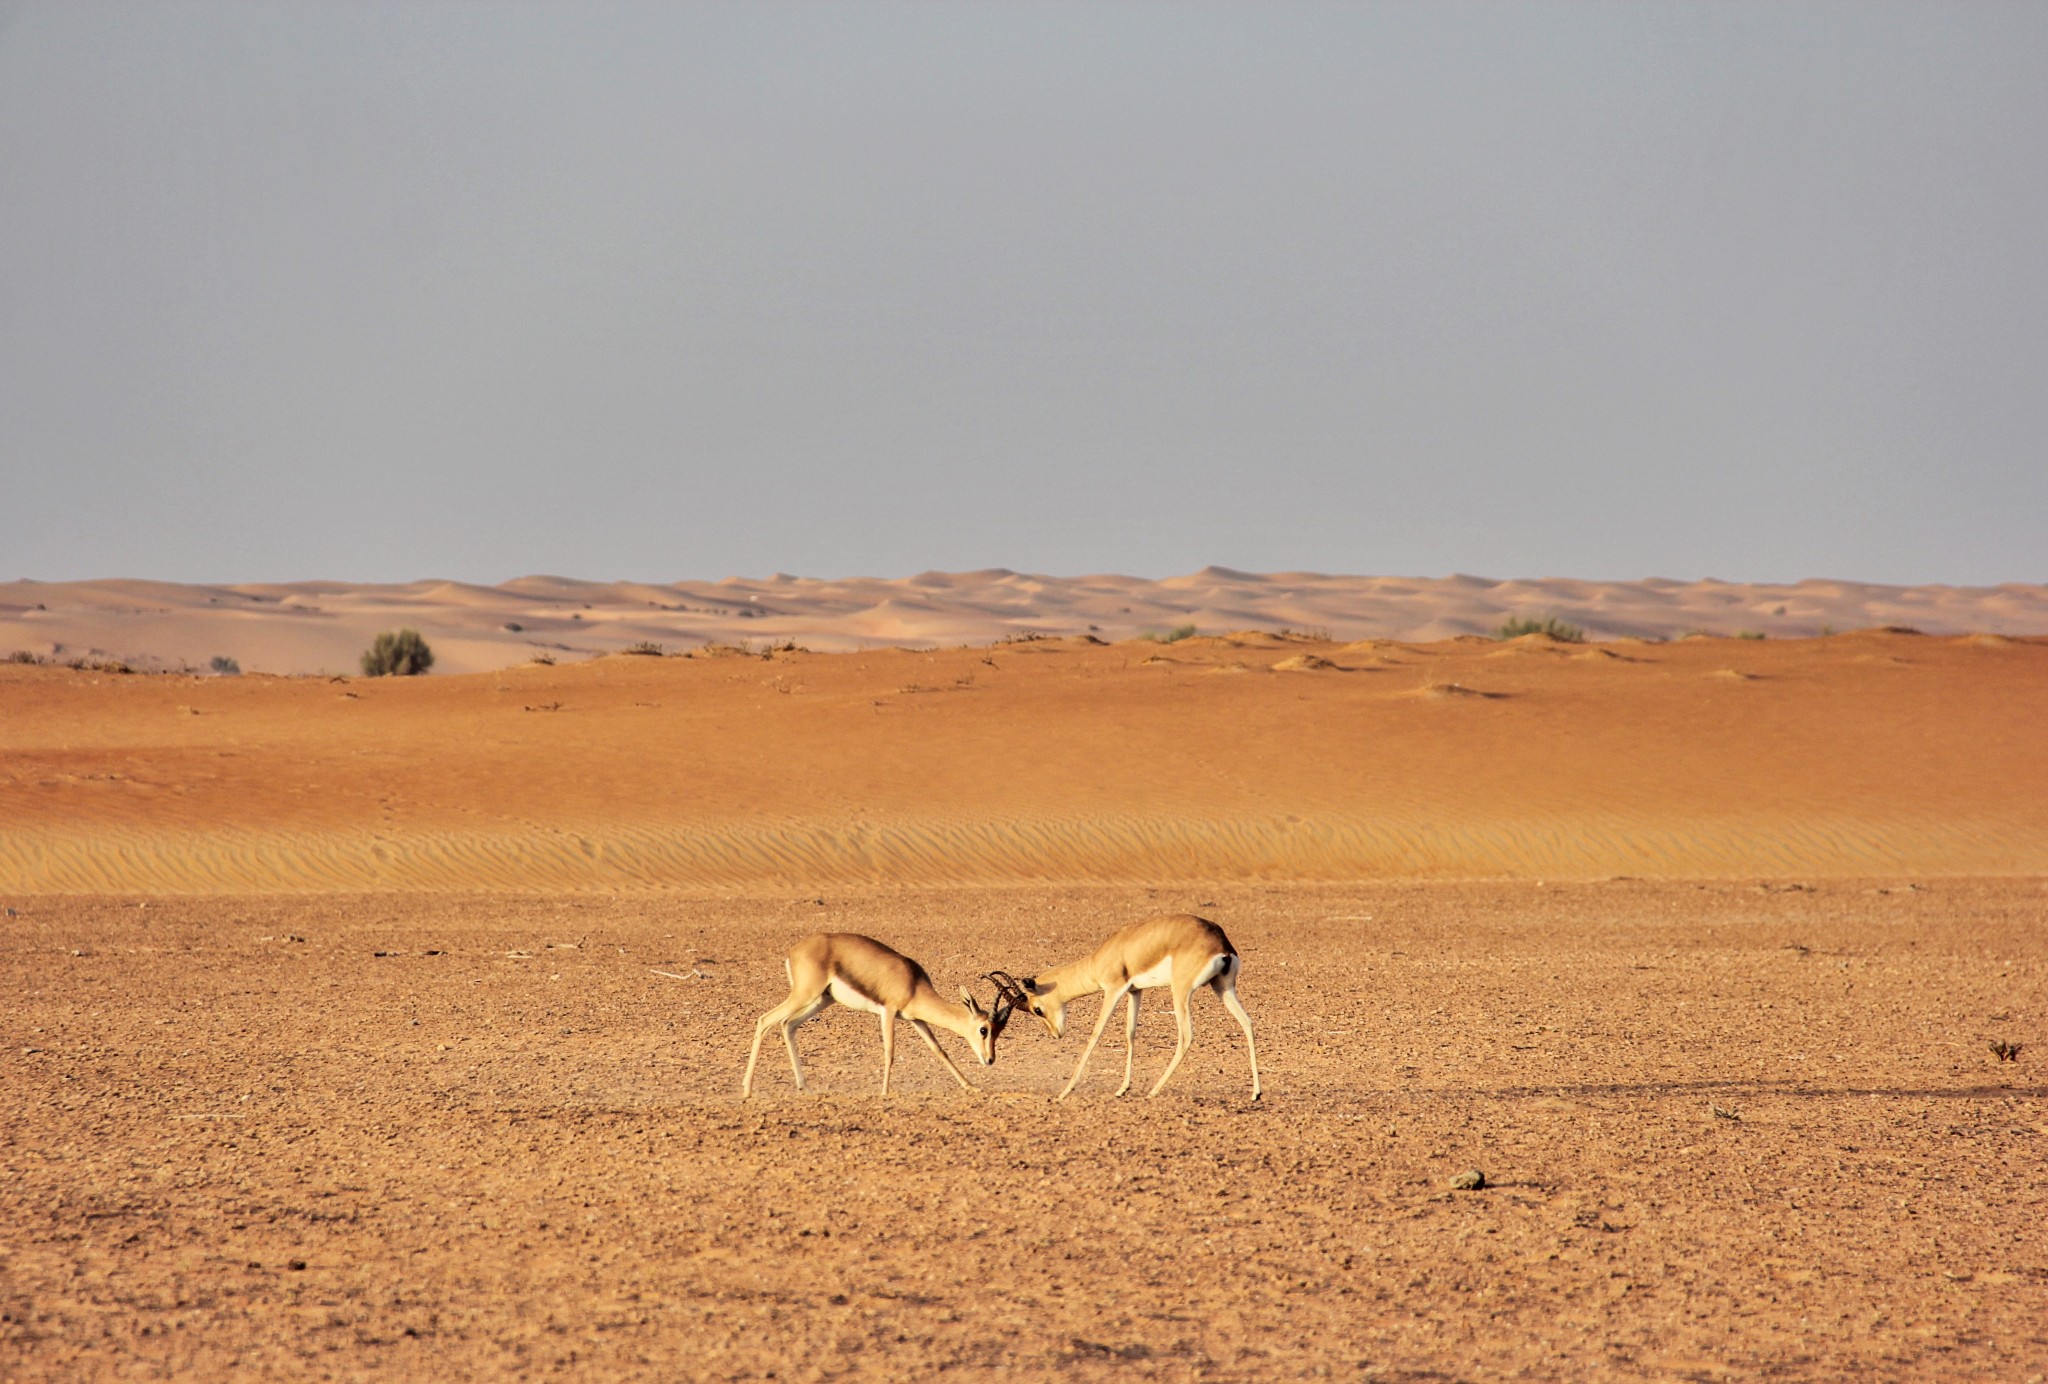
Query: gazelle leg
[[767, 1021], [789, 1028], [775, 1017], [1130, 1039], [1225, 986], [924, 1031], [888, 1046], [1187, 1036], [1101, 1022]]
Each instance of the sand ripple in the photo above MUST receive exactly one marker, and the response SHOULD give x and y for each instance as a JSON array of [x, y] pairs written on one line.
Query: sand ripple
[[1127, 848]]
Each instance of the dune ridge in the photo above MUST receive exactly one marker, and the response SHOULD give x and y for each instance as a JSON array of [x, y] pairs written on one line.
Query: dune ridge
[[1056, 762], [322, 626]]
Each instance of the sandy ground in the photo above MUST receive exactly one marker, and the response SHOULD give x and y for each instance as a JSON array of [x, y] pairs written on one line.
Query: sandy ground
[[395, 1028], [323, 627], [1729, 1131]]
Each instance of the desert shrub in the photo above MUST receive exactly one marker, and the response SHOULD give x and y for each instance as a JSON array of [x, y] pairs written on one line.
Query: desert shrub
[[1749, 634], [646, 647], [1516, 626], [1172, 636], [22, 656], [397, 653], [221, 663]]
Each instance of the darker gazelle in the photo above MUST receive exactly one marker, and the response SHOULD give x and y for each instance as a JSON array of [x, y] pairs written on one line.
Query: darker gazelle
[[863, 974]]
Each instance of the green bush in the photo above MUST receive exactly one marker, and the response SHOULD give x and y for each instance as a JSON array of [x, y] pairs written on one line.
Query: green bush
[[1517, 626], [1172, 636], [397, 653]]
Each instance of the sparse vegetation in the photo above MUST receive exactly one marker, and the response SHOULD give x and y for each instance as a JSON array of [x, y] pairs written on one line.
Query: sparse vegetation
[[1515, 626], [397, 653], [1316, 633], [2005, 1051], [1172, 636], [1749, 634], [647, 648], [545, 659], [23, 656], [225, 666]]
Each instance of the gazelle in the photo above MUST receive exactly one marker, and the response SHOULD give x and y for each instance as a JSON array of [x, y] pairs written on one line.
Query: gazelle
[[863, 974], [1178, 951]]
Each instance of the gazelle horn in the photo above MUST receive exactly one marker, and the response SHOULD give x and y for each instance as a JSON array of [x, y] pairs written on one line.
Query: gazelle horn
[[1009, 994]]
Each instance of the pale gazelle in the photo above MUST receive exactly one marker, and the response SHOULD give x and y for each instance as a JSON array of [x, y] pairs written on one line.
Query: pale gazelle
[[1178, 951], [862, 974]]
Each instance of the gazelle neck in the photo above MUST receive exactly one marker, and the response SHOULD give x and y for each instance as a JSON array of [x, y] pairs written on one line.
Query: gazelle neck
[[930, 1006], [1071, 981]]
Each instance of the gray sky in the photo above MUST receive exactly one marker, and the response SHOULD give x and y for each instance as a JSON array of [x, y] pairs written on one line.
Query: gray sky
[[384, 291]]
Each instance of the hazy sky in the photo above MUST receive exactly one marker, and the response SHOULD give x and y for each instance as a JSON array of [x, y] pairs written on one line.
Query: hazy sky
[[385, 291]]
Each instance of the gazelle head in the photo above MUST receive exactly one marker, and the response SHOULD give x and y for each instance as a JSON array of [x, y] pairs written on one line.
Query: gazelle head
[[983, 1027], [1024, 994]]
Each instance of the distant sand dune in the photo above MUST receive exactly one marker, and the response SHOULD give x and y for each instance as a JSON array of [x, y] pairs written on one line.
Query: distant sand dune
[[322, 627], [1053, 761]]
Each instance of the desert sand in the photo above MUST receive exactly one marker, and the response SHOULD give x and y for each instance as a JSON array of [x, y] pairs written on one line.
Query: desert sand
[[323, 627], [1254, 757], [393, 1028]]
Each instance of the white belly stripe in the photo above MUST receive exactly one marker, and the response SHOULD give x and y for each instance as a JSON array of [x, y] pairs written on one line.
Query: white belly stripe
[[851, 998], [1152, 977]]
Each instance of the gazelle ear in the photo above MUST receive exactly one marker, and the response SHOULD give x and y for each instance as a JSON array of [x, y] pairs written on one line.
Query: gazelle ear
[[967, 998]]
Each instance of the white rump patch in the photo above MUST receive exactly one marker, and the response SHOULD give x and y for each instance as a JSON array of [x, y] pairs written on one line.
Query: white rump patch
[[1210, 971], [851, 998]]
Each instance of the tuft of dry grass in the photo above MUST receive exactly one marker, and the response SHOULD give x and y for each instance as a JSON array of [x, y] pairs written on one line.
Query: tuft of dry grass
[[1514, 627]]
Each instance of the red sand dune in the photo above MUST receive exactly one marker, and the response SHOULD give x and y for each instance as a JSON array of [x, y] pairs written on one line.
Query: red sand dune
[[1248, 757]]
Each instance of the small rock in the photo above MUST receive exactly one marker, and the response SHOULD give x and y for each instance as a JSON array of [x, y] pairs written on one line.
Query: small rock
[[296, 1265], [1471, 1180]]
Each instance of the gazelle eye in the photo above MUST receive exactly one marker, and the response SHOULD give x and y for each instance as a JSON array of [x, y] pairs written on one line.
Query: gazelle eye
[[984, 1030]]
